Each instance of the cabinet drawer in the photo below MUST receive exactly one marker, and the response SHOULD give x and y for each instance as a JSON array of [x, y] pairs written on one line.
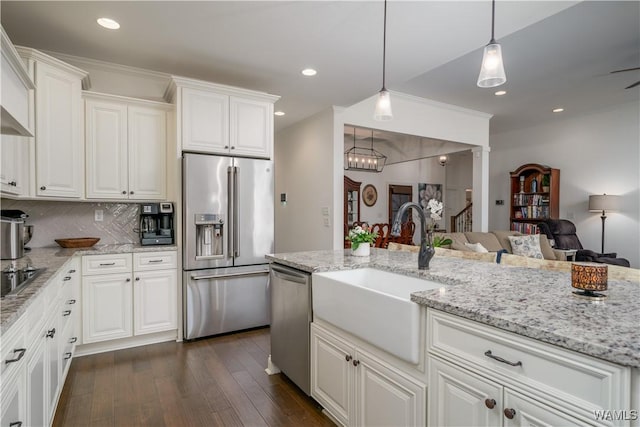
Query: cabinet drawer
[[579, 381], [143, 261], [13, 348], [106, 264]]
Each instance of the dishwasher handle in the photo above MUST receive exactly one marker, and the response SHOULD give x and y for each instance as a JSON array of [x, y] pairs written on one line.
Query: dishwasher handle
[[290, 275]]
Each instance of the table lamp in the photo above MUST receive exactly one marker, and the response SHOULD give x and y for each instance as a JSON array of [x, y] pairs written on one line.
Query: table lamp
[[603, 203]]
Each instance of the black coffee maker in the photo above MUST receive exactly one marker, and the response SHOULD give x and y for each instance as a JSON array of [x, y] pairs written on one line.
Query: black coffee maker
[[156, 224]]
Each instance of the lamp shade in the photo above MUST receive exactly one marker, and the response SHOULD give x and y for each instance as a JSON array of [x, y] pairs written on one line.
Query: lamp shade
[[604, 202], [492, 69], [383, 107]]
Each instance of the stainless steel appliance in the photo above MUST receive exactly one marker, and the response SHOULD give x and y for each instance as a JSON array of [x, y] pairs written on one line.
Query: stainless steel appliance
[[228, 229], [156, 223], [14, 280], [11, 234], [291, 317]]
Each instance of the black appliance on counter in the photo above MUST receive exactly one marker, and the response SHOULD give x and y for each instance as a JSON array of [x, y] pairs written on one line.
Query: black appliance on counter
[[156, 224]]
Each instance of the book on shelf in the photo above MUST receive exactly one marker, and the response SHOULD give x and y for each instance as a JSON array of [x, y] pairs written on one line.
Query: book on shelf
[[524, 227]]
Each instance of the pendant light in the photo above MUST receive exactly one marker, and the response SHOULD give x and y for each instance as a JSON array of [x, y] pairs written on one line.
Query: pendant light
[[383, 104], [363, 159], [492, 69]]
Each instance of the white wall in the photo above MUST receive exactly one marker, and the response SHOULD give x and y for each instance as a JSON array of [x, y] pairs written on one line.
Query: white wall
[[304, 158], [596, 153]]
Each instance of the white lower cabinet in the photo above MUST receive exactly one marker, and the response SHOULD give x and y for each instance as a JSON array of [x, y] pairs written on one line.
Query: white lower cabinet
[[483, 376], [36, 401], [359, 388], [135, 295]]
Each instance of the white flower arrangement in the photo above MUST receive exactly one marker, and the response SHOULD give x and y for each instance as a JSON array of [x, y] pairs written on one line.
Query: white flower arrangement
[[435, 208], [359, 235]]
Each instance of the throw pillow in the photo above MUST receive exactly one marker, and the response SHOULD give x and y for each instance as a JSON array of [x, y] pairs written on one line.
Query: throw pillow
[[528, 246], [459, 246], [476, 247]]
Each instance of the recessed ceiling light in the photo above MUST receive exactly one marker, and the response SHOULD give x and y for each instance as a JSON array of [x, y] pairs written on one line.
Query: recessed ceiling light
[[501, 92], [309, 72], [558, 110], [108, 23], [279, 113]]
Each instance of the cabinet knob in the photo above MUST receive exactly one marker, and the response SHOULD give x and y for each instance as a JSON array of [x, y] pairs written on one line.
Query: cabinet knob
[[490, 403], [355, 362], [137, 279], [71, 271], [66, 313], [51, 333], [71, 301], [233, 148], [13, 183], [67, 356], [130, 192], [128, 279], [226, 147], [72, 340], [124, 192], [43, 188], [67, 278], [348, 357], [509, 413]]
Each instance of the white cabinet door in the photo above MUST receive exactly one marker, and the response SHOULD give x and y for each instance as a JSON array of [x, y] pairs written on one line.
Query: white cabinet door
[[205, 121], [520, 410], [459, 398], [36, 402], [59, 142], [251, 127], [14, 168], [106, 144], [154, 296], [147, 153], [106, 307], [52, 362], [385, 397], [332, 374], [12, 408]]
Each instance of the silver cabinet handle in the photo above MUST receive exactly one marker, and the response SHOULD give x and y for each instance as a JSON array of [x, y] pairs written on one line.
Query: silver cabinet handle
[[67, 278], [71, 271], [67, 356], [500, 359], [106, 264], [71, 301], [15, 424], [66, 313], [51, 333], [72, 340], [20, 351], [155, 261]]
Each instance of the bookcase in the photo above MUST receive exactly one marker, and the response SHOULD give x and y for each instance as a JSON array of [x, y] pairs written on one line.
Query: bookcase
[[535, 196]]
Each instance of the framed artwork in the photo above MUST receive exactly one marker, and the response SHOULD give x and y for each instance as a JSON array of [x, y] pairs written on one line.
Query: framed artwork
[[399, 195], [427, 192], [369, 195]]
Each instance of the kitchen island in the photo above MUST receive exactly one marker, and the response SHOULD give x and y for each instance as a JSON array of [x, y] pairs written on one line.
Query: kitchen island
[[501, 345], [530, 302]]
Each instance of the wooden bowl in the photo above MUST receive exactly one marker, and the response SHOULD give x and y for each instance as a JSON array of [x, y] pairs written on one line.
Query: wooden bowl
[[80, 242]]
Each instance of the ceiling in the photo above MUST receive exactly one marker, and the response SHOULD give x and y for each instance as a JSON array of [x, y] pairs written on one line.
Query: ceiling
[[556, 53]]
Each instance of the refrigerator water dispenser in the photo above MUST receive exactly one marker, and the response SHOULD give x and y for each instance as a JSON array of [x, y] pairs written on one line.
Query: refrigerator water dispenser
[[209, 236]]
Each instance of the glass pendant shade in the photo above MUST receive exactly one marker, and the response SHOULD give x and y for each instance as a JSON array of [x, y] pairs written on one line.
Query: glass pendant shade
[[492, 69], [383, 107]]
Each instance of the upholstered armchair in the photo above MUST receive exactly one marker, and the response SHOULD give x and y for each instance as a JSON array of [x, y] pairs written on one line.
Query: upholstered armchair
[[563, 232]]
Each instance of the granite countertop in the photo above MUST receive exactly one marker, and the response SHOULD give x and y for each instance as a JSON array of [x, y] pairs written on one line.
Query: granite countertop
[[531, 302], [53, 259]]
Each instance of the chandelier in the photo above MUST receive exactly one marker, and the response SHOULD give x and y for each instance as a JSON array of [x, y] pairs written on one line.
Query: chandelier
[[363, 159]]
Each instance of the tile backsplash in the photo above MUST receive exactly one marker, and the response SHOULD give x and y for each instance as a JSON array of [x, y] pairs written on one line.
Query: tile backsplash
[[55, 220]]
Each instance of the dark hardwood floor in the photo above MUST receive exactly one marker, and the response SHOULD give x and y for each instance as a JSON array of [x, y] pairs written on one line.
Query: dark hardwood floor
[[217, 381]]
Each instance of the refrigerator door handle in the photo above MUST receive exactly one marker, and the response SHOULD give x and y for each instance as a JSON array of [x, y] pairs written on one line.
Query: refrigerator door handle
[[236, 232], [223, 276], [230, 213]]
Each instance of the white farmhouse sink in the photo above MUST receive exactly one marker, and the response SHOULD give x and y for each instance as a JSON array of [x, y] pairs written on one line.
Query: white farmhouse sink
[[374, 305]]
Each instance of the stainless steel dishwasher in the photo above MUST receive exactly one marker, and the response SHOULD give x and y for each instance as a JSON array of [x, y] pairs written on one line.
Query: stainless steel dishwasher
[[290, 323]]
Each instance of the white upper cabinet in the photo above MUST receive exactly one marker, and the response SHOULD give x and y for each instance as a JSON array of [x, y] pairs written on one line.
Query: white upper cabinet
[[126, 142], [14, 169], [221, 119], [59, 118], [205, 121]]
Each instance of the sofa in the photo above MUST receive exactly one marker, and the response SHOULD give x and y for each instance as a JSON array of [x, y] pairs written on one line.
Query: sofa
[[499, 242]]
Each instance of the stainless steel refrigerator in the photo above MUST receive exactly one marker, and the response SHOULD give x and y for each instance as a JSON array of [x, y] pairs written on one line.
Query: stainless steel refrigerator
[[228, 228]]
